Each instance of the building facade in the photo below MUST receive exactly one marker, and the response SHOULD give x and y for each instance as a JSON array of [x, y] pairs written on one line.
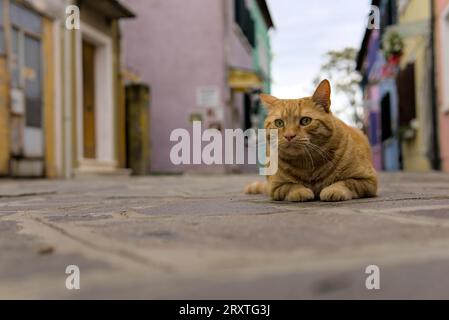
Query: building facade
[[398, 87], [415, 67], [203, 60], [380, 92], [61, 109], [262, 55], [442, 54]]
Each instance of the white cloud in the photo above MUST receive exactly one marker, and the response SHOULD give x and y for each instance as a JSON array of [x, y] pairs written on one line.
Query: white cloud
[[305, 31]]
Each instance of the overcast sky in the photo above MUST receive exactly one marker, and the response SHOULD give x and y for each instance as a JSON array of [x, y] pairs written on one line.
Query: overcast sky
[[305, 31]]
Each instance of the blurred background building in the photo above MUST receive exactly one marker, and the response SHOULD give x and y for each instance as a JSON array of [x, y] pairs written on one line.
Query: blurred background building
[[203, 60], [380, 92], [61, 96], [442, 55], [404, 85], [105, 98]]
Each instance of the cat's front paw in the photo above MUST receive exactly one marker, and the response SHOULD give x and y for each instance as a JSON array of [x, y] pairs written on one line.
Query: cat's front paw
[[279, 193], [292, 193], [335, 193], [300, 194]]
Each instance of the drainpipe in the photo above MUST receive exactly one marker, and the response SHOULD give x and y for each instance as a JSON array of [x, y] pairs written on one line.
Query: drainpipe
[[57, 96], [67, 104], [227, 94], [435, 157]]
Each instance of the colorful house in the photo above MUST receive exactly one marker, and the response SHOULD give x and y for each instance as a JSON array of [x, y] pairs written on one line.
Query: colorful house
[[396, 62], [61, 109], [380, 92], [442, 54], [203, 60], [262, 55], [414, 83]]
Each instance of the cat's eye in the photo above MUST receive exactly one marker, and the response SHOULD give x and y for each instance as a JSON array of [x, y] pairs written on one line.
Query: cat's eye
[[279, 123], [305, 121]]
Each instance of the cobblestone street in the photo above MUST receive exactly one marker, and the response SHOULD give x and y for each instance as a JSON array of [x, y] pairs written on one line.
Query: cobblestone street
[[200, 237]]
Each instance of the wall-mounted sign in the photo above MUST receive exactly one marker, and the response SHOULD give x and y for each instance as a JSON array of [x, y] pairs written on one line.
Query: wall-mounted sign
[[17, 102], [208, 97], [243, 80]]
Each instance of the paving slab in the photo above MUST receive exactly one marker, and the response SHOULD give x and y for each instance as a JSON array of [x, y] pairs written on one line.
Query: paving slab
[[199, 236]]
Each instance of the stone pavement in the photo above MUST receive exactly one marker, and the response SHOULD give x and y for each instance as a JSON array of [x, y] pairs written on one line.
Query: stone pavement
[[196, 237]]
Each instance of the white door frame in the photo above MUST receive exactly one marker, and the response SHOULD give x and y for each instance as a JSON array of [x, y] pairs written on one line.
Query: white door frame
[[104, 101]]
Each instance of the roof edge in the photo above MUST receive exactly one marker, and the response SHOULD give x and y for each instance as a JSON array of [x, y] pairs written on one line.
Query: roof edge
[[266, 13]]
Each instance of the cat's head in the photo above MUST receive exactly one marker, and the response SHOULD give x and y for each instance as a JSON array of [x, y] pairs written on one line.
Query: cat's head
[[300, 122]]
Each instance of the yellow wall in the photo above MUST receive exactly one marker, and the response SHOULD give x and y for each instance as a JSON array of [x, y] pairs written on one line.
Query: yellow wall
[[48, 95], [120, 119], [414, 151], [4, 118]]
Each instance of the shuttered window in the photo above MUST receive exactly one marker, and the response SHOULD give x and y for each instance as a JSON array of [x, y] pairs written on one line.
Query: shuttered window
[[389, 14], [407, 98], [245, 21], [373, 128], [387, 130], [247, 112]]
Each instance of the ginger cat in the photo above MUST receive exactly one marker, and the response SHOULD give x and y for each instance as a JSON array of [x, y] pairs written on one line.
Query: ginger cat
[[319, 155]]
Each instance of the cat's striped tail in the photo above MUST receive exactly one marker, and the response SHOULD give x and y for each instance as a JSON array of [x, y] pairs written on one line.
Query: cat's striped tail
[[256, 188]]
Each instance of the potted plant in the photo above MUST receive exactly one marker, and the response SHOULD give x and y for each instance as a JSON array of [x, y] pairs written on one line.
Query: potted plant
[[393, 46]]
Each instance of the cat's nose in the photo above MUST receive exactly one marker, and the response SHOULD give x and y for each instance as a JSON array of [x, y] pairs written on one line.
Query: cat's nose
[[290, 136]]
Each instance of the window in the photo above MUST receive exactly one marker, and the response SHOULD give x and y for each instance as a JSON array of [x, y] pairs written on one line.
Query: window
[[26, 19], [26, 61], [15, 58], [387, 131], [245, 21], [388, 15], [373, 128], [33, 83], [406, 90], [247, 112]]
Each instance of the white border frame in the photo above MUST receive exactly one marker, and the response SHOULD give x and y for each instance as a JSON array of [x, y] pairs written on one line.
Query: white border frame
[[104, 100]]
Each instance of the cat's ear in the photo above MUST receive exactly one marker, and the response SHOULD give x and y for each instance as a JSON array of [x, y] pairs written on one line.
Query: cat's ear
[[268, 101], [322, 95]]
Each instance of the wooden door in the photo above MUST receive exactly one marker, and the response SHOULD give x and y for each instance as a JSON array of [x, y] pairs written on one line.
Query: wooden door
[[89, 100]]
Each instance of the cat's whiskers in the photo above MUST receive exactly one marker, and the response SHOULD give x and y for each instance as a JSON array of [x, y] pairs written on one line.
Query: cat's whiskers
[[308, 146], [310, 156], [324, 154]]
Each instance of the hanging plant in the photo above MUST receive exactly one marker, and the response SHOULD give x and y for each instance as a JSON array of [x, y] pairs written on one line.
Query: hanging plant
[[392, 45]]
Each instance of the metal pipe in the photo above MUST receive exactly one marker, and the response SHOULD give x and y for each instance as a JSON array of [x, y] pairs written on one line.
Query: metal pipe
[[435, 157], [67, 104]]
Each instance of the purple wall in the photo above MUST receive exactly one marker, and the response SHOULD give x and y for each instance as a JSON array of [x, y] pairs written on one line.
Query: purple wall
[[176, 46]]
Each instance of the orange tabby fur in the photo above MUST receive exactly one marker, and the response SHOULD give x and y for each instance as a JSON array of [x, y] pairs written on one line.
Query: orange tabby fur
[[325, 158]]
